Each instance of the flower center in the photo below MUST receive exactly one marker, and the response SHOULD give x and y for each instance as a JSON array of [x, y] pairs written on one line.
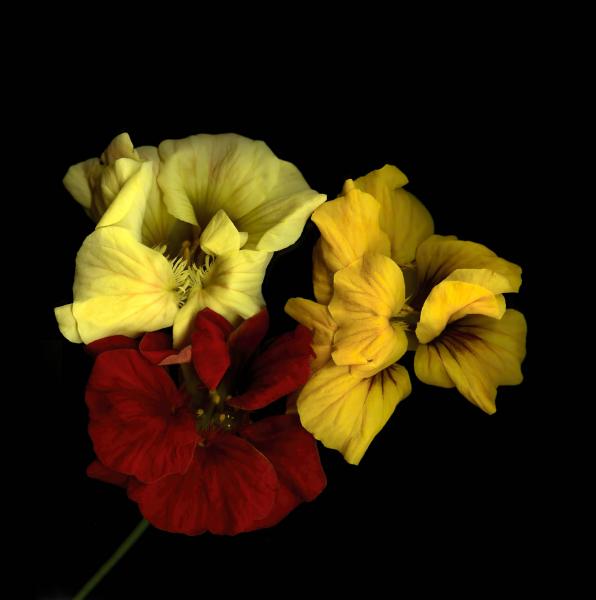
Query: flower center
[[211, 411], [190, 268]]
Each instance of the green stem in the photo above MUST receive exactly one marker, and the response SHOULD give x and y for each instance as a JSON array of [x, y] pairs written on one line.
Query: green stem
[[107, 566]]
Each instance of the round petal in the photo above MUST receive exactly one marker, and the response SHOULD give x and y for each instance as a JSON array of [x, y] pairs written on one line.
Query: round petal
[[228, 486], [121, 287], [346, 412], [403, 217], [439, 256], [232, 289], [476, 354], [277, 371], [133, 418], [293, 453], [263, 196], [452, 300]]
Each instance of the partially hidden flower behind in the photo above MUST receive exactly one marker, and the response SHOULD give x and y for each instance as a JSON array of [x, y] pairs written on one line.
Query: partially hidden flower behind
[[359, 322], [381, 277], [185, 226], [189, 455]]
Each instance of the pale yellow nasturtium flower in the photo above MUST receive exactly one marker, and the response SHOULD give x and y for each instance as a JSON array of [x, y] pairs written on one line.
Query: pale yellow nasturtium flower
[[378, 271], [188, 225]]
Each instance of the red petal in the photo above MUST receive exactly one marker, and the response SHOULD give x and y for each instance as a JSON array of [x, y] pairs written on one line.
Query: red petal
[[133, 421], [114, 342], [246, 338], [184, 356], [293, 452], [210, 354], [156, 346], [97, 470], [228, 486], [282, 368]]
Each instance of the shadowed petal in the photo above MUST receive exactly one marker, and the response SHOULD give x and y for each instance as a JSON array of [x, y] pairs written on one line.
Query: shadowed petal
[[228, 486], [133, 421]]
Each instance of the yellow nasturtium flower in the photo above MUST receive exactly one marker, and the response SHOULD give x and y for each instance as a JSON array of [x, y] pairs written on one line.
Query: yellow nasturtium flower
[[358, 328], [467, 337], [188, 225], [379, 275]]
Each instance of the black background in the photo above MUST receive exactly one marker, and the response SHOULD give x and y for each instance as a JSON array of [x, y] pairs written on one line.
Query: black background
[[443, 483]]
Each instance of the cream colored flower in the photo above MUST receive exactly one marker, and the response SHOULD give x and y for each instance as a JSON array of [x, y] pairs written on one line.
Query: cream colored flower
[[193, 226]]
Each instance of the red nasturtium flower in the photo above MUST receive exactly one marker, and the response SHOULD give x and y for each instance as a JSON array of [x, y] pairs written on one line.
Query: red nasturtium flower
[[189, 455]]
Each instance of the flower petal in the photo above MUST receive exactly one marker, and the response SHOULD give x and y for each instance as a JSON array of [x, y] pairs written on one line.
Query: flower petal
[[245, 339], [346, 412], [97, 470], [121, 287], [221, 236], [210, 354], [156, 347], [366, 295], [452, 300], [403, 217], [113, 342], [262, 195], [319, 320], [232, 289], [93, 183], [133, 181], [133, 418], [439, 256], [78, 180], [349, 228], [159, 226], [476, 354], [228, 486], [67, 323], [322, 277], [280, 369], [278, 222], [293, 453]]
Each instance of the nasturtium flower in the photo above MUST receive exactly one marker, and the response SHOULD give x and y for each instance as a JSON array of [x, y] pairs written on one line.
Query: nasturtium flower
[[383, 283], [467, 338], [189, 456], [188, 225], [358, 329]]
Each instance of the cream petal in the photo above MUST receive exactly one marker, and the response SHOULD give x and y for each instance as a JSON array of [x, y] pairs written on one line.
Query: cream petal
[[221, 236], [121, 287], [158, 224], [231, 288], [78, 180], [133, 179], [67, 323]]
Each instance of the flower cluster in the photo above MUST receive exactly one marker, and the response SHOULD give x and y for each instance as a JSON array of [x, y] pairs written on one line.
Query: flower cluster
[[167, 299], [385, 284]]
